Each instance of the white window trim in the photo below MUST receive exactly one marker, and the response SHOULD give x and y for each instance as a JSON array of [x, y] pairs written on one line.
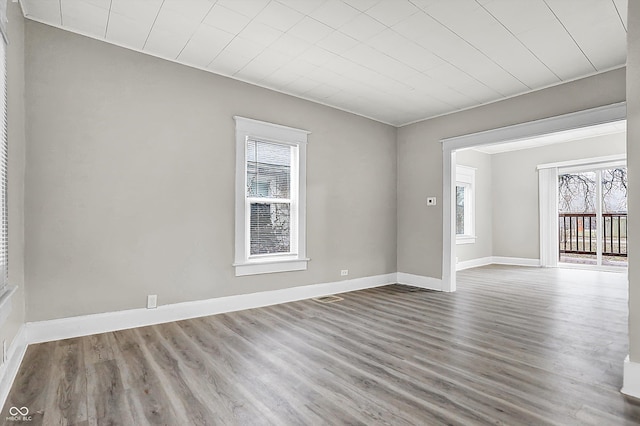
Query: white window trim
[[247, 128], [467, 176]]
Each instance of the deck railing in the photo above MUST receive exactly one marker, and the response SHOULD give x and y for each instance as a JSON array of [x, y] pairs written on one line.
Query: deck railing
[[578, 233]]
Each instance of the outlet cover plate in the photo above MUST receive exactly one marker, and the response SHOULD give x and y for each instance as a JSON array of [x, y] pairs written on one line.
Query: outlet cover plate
[[152, 301]]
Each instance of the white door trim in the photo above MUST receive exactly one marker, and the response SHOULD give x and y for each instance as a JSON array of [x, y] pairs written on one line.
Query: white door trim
[[586, 118]]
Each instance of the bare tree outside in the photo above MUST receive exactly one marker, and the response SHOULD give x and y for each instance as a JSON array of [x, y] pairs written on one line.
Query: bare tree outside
[[577, 191]]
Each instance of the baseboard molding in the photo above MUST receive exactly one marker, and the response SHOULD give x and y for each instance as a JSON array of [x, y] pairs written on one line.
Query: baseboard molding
[[9, 369], [515, 261], [474, 263], [64, 328], [419, 281], [496, 260], [631, 379]]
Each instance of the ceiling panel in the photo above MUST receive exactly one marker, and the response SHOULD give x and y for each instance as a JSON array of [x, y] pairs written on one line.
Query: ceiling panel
[[519, 16], [226, 19], [362, 27], [131, 21], [228, 63], [174, 26], [260, 33], [279, 16], [393, 60], [621, 9], [557, 50], [337, 42], [361, 5], [390, 13], [334, 13], [85, 16], [205, 44], [244, 7], [126, 31], [405, 50], [595, 26], [305, 7], [310, 30], [44, 10]]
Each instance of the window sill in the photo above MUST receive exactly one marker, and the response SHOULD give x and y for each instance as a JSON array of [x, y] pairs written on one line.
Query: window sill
[[466, 239], [270, 266]]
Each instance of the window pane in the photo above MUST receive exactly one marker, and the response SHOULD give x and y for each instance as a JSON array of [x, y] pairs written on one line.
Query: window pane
[[459, 210], [270, 228], [578, 233], [268, 169], [614, 190], [577, 193], [614, 216]]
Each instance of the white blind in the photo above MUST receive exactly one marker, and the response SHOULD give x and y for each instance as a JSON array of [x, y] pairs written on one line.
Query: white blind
[[4, 232], [268, 168]]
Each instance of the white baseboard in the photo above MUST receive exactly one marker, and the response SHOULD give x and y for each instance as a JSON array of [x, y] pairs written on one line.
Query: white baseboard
[[64, 328], [515, 261], [9, 369], [419, 281], [631, 379], [496, 260], [474, 263]]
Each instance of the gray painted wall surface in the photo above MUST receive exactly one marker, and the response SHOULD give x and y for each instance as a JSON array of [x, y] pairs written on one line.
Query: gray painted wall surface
[[633, 166], [483, 247], [516, 230], [16, 137], [420, 157], [130, 181]]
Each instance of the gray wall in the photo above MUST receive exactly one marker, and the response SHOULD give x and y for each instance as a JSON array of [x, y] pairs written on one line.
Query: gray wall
[[516, 230], [130, 181], [483, 246], [420, 157], [16, 135], [633, 168]]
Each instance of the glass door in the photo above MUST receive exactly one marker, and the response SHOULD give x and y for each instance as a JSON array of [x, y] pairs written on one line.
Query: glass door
[[592, 216]]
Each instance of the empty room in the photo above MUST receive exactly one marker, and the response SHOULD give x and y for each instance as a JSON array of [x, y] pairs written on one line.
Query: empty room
[[233, 212]]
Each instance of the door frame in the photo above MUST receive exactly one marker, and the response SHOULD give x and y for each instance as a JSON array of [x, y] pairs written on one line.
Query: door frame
[[528, 130], [548, 190]]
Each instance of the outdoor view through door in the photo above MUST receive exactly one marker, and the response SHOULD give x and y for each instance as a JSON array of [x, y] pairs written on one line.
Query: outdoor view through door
[[592, 216]]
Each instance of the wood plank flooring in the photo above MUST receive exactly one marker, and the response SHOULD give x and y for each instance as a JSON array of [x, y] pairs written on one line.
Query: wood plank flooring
[[513, 346]]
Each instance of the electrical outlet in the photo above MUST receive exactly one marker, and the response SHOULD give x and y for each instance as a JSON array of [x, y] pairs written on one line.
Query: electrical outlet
[[152, 301], [431, 201], [344, 272]]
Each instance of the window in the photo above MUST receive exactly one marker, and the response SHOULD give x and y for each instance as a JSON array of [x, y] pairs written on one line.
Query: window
[[6, 291], [465, 205], [4, 231], [270, 198]]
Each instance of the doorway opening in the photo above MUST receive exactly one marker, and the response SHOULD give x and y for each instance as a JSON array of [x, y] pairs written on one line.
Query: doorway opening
[[530, 132]]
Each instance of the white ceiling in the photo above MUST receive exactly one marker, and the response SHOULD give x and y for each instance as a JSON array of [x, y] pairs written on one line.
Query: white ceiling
[[396, 61]]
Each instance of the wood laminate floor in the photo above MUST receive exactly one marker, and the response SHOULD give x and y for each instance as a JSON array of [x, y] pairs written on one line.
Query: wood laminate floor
[[513, 346]]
